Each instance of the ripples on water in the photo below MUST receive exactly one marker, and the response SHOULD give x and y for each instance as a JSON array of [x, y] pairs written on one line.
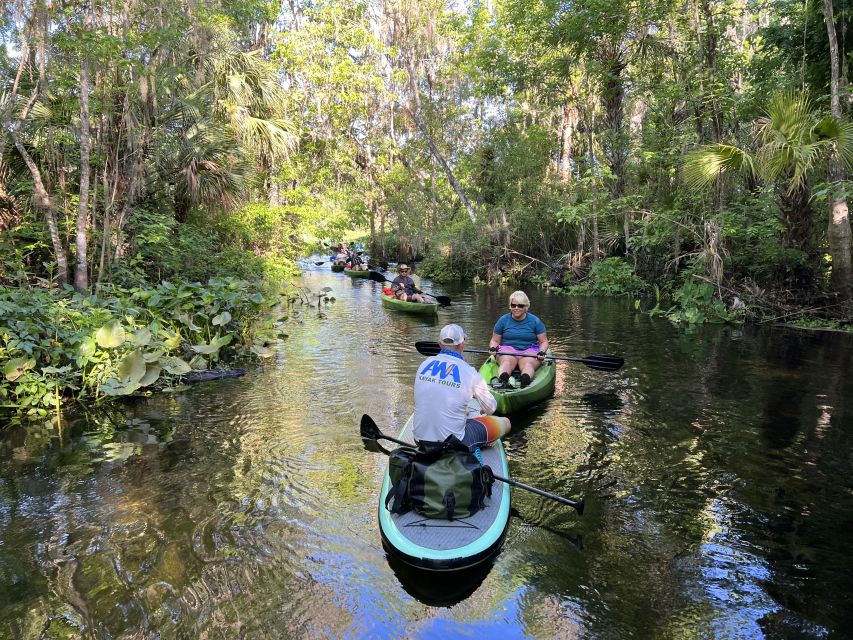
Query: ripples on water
[[715, 465]]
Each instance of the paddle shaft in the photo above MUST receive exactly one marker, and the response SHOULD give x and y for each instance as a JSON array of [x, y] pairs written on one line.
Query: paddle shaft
[[524, 355], [571, 503], [599, 362]]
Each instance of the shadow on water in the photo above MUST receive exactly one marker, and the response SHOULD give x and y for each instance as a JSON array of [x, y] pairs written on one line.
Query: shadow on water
[[439, 588], [605, 402]]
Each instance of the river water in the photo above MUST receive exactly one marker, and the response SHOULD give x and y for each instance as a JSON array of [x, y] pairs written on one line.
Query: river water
[[716, 467]]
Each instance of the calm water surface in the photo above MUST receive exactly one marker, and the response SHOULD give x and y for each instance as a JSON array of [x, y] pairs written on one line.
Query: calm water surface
[[716, 466]]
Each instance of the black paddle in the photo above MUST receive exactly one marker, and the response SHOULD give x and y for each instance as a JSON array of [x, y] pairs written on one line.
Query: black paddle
[[598, 362], [378, 277], [369, 431]]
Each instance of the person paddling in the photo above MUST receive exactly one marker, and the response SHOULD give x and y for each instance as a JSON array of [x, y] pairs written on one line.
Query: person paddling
[[517, 332], [444, 386], [403, 286]]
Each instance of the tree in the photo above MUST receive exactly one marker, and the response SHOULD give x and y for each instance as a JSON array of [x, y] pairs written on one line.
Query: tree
[[840, 240], [793, 146]]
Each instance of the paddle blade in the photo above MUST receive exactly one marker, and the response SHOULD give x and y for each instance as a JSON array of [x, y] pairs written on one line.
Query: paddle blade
[[443, 300], [427, 348], [369, 430], [377, 277], [603, 363], [319, 263]]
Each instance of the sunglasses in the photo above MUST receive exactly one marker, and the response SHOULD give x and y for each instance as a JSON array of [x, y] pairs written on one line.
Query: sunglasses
[[404, 271], [517, 306]]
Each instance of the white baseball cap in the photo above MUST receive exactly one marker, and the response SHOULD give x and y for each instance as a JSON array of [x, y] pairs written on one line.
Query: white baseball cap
[[451, 334]]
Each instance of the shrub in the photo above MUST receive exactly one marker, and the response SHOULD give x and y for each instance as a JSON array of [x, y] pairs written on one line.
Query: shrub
[[610, 277]]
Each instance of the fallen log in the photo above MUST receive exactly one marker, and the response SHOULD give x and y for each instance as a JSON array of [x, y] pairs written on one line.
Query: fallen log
[[215, 374]]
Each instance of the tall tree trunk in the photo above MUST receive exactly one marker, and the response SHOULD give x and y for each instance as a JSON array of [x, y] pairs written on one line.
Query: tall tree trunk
[[436, 153], [415, 111], [42, 198], [81, 273], [840, 243], [44, 202], [568, 125]]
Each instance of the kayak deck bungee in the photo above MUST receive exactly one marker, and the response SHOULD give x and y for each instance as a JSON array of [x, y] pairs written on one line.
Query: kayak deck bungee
[[446, 545], [409, 307], [514, 399], [357, 273]]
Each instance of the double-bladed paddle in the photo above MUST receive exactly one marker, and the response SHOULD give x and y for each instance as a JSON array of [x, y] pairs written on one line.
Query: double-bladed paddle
[[598, 362], [378, 277], [369, 431]]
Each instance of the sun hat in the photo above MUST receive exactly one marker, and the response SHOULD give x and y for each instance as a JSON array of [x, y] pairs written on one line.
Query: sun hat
[[400, 267], [451, 334]]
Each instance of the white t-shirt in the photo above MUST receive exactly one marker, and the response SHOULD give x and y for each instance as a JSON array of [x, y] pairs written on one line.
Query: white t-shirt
[[444, 386]]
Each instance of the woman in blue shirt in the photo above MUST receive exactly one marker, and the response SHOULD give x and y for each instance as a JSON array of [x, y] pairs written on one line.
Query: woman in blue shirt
[[517, 332]]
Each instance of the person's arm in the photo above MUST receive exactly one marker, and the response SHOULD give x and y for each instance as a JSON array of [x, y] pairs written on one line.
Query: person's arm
[[495, 342], [487, 401], [542, 339]]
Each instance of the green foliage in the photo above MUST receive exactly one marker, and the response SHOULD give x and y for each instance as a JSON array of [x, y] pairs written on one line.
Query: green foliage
[[808, 322], [457, 252], [58, 345], [695, 303], [610, 277]]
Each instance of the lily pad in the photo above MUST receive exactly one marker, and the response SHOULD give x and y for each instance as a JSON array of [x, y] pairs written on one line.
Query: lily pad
[[111, 335], [115, 388], [132, 368], [87, 348], [222, 319], [199, 363], [153, 356], [187, 320], [206, 349], [176, 366], [152, 374], [16, 367], [142, 337]]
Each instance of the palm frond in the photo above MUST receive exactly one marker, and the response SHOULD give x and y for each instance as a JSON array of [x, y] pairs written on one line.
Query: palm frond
[[705, 165]]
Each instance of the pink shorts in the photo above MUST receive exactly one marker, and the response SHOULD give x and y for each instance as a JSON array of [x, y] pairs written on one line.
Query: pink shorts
[[510, 351]]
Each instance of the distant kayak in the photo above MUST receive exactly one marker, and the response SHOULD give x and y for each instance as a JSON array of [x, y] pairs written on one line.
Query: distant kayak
[[514, 399], [357, 273], [425, 308]]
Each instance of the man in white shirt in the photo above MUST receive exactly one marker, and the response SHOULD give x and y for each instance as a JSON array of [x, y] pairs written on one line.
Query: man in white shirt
[[444, 386]]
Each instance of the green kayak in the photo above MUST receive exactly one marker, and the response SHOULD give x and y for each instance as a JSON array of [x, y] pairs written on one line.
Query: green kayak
[[515, 399], [409, 307], [357, 273]]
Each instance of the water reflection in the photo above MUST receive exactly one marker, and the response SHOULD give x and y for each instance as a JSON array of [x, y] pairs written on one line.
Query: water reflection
[[715, 468], [437, 589]]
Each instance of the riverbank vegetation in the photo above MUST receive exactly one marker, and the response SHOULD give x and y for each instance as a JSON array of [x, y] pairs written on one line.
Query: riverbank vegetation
[[692, 154]]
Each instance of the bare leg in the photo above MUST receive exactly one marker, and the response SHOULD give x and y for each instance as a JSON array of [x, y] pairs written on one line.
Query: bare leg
[[529, 366], [507, 364]]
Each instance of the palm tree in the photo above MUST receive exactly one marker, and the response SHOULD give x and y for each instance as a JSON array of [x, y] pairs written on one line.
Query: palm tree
[[793, 145]]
